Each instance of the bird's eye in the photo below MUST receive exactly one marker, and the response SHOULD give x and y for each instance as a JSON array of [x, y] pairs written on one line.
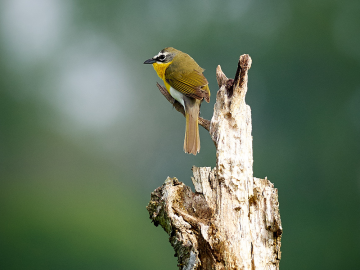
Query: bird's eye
[[161, 57]]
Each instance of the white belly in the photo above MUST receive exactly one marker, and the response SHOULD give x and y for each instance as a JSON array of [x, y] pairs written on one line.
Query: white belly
[[177, 95]]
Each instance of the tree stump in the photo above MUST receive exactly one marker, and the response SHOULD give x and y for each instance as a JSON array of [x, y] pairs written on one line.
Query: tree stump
[[232, 221]]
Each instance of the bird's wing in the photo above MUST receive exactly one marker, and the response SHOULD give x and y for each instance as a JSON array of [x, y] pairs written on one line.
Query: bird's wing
[[192, 84]]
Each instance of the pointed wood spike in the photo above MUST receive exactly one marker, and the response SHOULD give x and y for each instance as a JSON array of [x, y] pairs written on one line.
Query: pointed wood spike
[[220, 76]]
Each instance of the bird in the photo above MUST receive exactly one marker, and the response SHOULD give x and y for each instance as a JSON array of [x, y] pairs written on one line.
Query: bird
[[185, 82]]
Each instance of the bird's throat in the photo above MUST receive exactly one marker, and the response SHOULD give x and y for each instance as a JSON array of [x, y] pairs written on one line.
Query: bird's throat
[[160, 69]]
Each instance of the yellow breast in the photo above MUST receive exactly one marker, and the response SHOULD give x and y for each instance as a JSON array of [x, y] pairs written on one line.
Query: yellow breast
[[160, 69]]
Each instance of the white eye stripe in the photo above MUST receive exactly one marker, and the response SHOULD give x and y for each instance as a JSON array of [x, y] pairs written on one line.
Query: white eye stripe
[[161, 54]]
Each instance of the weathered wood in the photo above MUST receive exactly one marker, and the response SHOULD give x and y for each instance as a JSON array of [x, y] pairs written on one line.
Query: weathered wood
[[232, 221]]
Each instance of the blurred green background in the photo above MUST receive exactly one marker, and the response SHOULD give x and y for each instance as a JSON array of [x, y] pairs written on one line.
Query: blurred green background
[[85, 135]]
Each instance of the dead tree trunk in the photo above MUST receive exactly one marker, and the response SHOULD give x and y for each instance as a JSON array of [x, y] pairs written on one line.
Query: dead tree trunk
[[232, 221]]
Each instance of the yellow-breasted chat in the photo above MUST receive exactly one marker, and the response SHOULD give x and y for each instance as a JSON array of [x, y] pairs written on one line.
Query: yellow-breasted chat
[[185, 82]]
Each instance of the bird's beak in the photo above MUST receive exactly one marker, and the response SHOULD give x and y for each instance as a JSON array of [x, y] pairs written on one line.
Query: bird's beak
[[149, 61]]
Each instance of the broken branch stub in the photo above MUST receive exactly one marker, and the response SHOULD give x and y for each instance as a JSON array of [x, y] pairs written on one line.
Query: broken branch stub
[[232, 221]]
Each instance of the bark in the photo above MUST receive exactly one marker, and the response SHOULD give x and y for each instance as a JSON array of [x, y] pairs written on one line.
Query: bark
[[232, 221]]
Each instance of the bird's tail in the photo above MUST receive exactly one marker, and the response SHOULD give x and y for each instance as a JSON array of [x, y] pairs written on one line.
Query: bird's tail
[[192, 138]]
